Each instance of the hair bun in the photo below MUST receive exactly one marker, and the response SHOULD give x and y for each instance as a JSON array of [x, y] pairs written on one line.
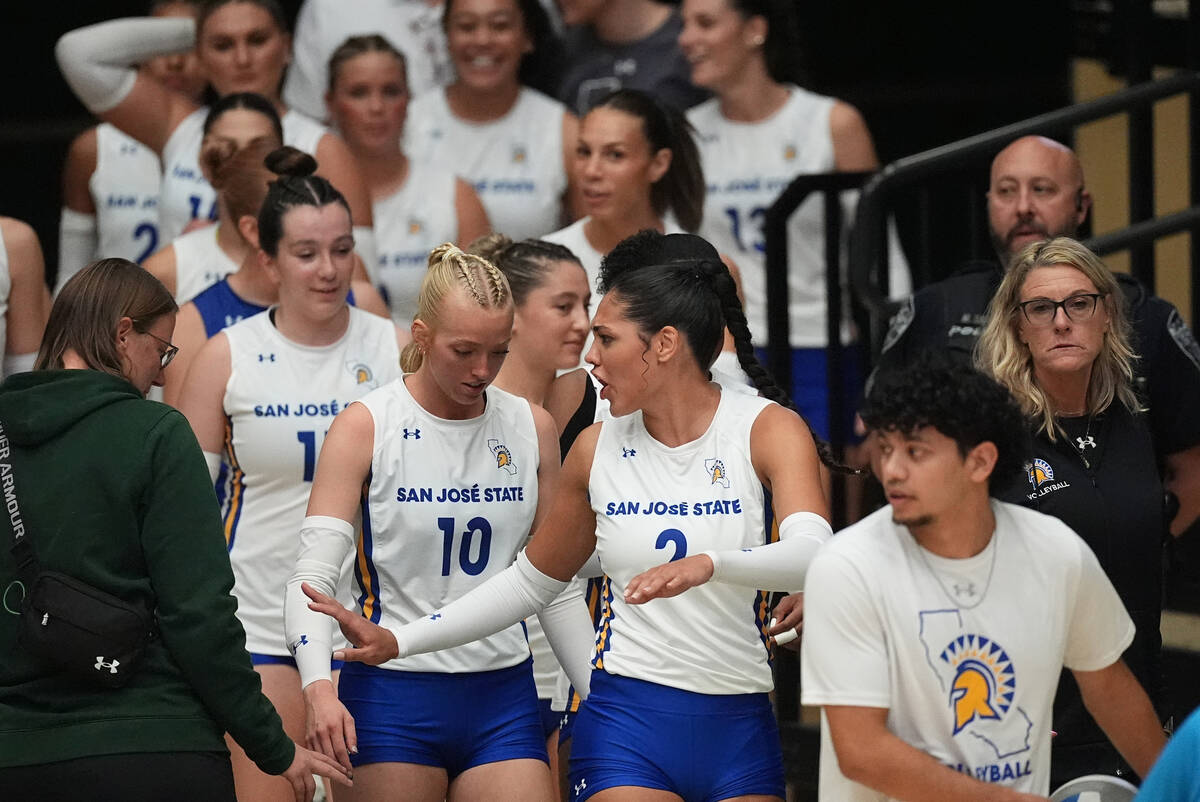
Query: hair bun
[[214, 156], [288, 161], [489, 246]]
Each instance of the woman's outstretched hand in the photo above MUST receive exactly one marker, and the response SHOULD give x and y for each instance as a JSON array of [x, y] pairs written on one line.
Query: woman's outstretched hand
[[371, 643], [669, 579]]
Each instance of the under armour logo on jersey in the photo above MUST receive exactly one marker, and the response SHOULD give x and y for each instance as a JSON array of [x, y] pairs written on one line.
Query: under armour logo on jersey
[[413, 433], [101, 665], [716, 471], [965, 590], [581, 787], [624, 66], [1084, 442], [266, 357], [628, 452], [435, 617]]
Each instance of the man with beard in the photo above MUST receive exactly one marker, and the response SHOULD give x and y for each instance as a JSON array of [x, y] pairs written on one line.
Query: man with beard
[[1037, 192]]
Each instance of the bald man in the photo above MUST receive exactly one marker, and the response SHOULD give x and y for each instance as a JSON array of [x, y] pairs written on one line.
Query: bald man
[[1037, 192]]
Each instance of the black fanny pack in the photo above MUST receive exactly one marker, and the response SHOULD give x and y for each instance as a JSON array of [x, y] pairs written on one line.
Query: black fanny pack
[[70, 625], [74, 627]]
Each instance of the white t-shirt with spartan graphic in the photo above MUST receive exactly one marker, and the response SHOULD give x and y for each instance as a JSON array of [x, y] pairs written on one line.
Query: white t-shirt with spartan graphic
[[964, 654]]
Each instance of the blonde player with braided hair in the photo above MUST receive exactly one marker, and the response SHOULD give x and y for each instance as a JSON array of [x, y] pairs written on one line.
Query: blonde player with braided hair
[[448, 475]]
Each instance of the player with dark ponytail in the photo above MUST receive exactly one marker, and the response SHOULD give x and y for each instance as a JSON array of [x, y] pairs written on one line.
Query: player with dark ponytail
[[671, 493]]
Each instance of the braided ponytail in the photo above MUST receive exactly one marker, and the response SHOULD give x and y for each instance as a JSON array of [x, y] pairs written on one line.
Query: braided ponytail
[[450, 268], [723, 285]]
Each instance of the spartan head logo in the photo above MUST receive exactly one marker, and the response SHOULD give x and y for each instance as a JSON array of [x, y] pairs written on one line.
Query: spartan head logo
[[1040, 472], [984, 683], [362, 373], [716, 472], [504, 458]]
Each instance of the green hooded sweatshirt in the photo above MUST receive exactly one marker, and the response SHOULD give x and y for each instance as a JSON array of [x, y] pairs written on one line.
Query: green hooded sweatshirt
[[114, 491]]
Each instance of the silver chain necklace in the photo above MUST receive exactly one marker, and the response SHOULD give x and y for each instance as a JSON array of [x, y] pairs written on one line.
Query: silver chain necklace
[[969, 588]]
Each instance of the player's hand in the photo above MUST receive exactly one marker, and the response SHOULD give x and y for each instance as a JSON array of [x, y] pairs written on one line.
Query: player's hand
[[305, 764], [329, 727], [372, 643], [787, 621], [669, 579]]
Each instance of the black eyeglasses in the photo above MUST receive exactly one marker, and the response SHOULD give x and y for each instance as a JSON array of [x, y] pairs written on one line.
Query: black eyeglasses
[[168, 354], [1077, 308]]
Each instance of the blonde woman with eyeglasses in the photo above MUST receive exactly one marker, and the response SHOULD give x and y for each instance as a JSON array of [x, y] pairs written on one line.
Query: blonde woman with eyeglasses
[[1058, 337]]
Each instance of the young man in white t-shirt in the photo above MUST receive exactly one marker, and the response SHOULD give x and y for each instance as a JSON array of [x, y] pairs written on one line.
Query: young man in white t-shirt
[[935, 629]]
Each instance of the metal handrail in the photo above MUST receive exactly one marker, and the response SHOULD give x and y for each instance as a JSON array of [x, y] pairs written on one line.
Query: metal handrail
[[867, 245]]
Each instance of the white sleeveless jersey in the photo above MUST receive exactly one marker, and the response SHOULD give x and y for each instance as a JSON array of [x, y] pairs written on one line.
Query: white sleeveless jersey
[[449, 504], [515, 163], [655, 504], [124, 189], [746, 166], [279, 402], [186, 194], [410, 223], [199, 263]]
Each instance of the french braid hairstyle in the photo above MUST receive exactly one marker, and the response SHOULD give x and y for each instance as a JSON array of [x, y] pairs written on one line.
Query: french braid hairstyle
[[699, 298], [450, 268], [296, 186], [525, 263]]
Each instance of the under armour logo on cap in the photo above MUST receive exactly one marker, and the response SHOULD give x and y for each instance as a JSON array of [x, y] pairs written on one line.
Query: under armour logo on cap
[[101, 665]]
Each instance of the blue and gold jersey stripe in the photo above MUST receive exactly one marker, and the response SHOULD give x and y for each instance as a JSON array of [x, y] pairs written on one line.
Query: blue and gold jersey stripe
[[364, 565], [234, 501], [604, 633]]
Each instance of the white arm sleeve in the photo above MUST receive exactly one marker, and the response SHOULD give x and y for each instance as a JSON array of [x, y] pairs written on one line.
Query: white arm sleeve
[[18, 363], [568, 628], [306, 81], [324, 544], [364, 246], [77, 244], [98, 61], [213, 461], [775, 566], [514, 594]]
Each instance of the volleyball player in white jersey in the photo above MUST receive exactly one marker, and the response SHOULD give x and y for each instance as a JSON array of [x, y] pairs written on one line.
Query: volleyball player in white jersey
[[260, 397], [416, 205], [550, 324], [243, 46], [111, 181], [671, 492], [636, 168], [489, 126], [196, 260], [448, 475], [24, 300], [758, 133], [243, 173]]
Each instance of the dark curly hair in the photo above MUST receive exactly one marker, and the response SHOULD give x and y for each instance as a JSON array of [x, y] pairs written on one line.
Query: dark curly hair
[[958, 401]]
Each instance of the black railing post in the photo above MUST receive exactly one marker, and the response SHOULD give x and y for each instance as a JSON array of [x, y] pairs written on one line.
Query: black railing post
[[1138, 15], [1193, 61], [835, 368]]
